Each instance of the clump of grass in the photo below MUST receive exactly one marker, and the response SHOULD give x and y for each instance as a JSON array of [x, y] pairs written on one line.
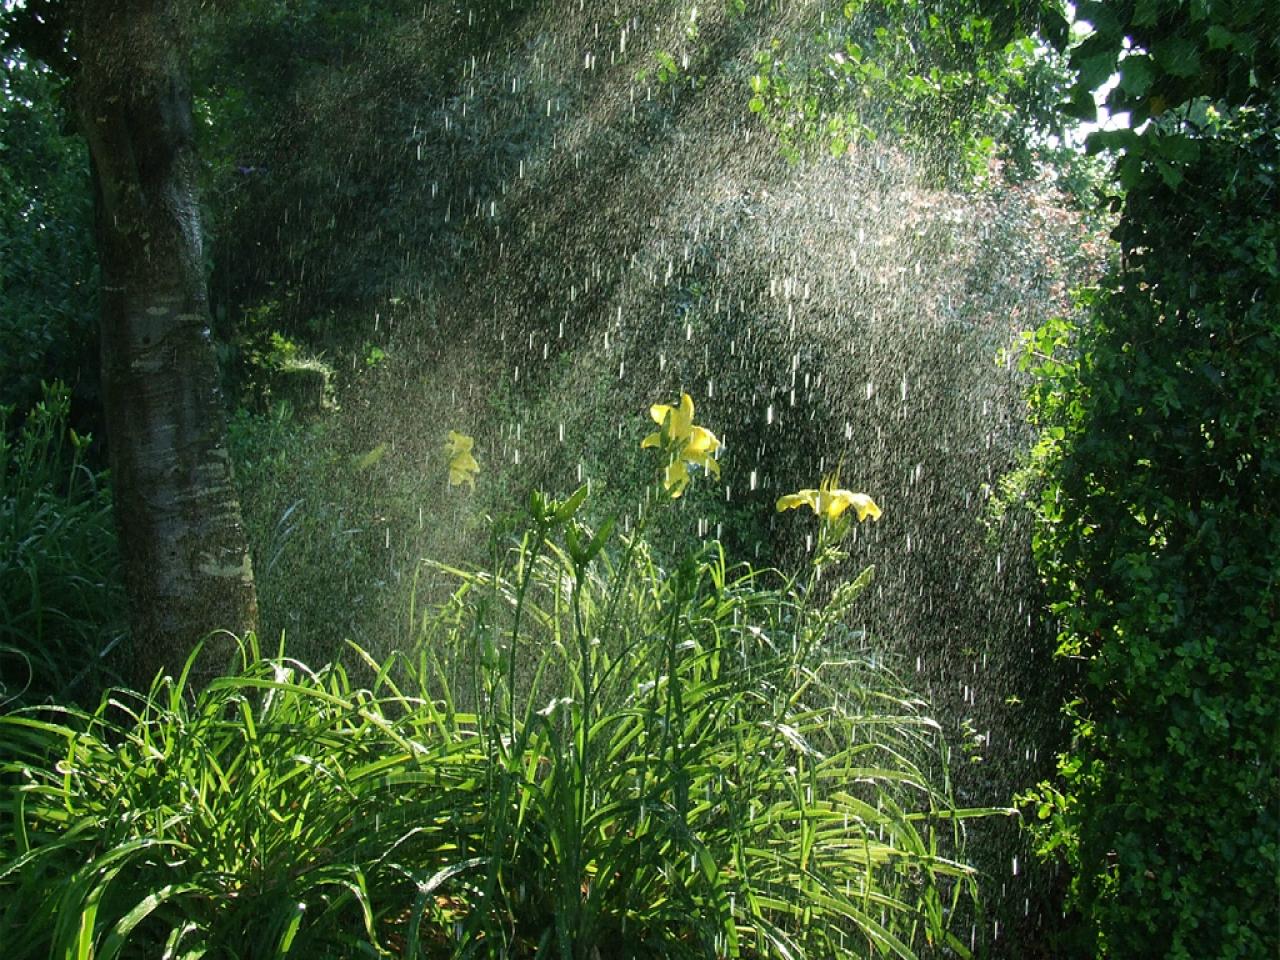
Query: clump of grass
[[280, 811], [61, 599], [684, 762], [588, 756]]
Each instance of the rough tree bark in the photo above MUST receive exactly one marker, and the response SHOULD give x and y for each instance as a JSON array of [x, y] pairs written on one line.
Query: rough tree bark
[[185, 555]]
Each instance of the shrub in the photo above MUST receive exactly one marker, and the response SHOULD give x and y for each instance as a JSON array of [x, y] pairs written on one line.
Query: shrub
[[1160, 544]]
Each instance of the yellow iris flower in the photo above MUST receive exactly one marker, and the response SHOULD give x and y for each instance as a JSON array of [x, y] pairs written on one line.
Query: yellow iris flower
[[829, 503], [462, 465], [686, 443]]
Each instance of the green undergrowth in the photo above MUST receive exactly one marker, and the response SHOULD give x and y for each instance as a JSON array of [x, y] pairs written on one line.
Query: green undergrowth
[[61, 598], [588, 755]]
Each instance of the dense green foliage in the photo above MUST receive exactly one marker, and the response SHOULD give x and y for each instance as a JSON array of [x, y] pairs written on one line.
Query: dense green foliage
[[964, 83], [48, 267], [387, 182], [589, 756], [61, 600], [1160, 464]]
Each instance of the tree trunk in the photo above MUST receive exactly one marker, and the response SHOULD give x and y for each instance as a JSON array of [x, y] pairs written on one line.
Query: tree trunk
[[185, 556]]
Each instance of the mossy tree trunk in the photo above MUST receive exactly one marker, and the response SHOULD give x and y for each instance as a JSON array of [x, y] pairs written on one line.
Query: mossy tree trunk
[[185, 555]]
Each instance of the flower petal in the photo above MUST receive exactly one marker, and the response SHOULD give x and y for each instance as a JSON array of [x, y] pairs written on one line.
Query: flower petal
[[686, 412], [701, 459], [679, 422], [676, 478], [462, 465], [829, 506], [865, 506], [461, 472], [830, 503], [803, 498], [841, 500], [458, 443], [652, 440], [660, 412], [702, 440]]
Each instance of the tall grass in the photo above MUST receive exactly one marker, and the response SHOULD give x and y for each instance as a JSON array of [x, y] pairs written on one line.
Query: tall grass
[[589, 756], [281, 811], [61, 600]]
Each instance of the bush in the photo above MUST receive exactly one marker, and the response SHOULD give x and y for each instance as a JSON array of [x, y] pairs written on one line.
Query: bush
[[1160, 542], [61, 599], [589, 756]]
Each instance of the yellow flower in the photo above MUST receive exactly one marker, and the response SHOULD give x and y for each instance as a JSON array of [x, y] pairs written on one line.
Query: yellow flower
[[829, 502], [462, 465], [676, 477], [684, 441]]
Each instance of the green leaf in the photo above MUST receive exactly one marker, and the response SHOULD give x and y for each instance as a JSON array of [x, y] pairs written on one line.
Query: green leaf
[[569, 508], [1145, 13], [119, 936], [1178, 56], [1219, 37], [1177, 148], [1081, 106], [1136, 75], [1097, 69], [1118, 140], [1170, 174]]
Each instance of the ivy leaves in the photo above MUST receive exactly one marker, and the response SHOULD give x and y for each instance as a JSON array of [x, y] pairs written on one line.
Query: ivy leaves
[[1157, 534]]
